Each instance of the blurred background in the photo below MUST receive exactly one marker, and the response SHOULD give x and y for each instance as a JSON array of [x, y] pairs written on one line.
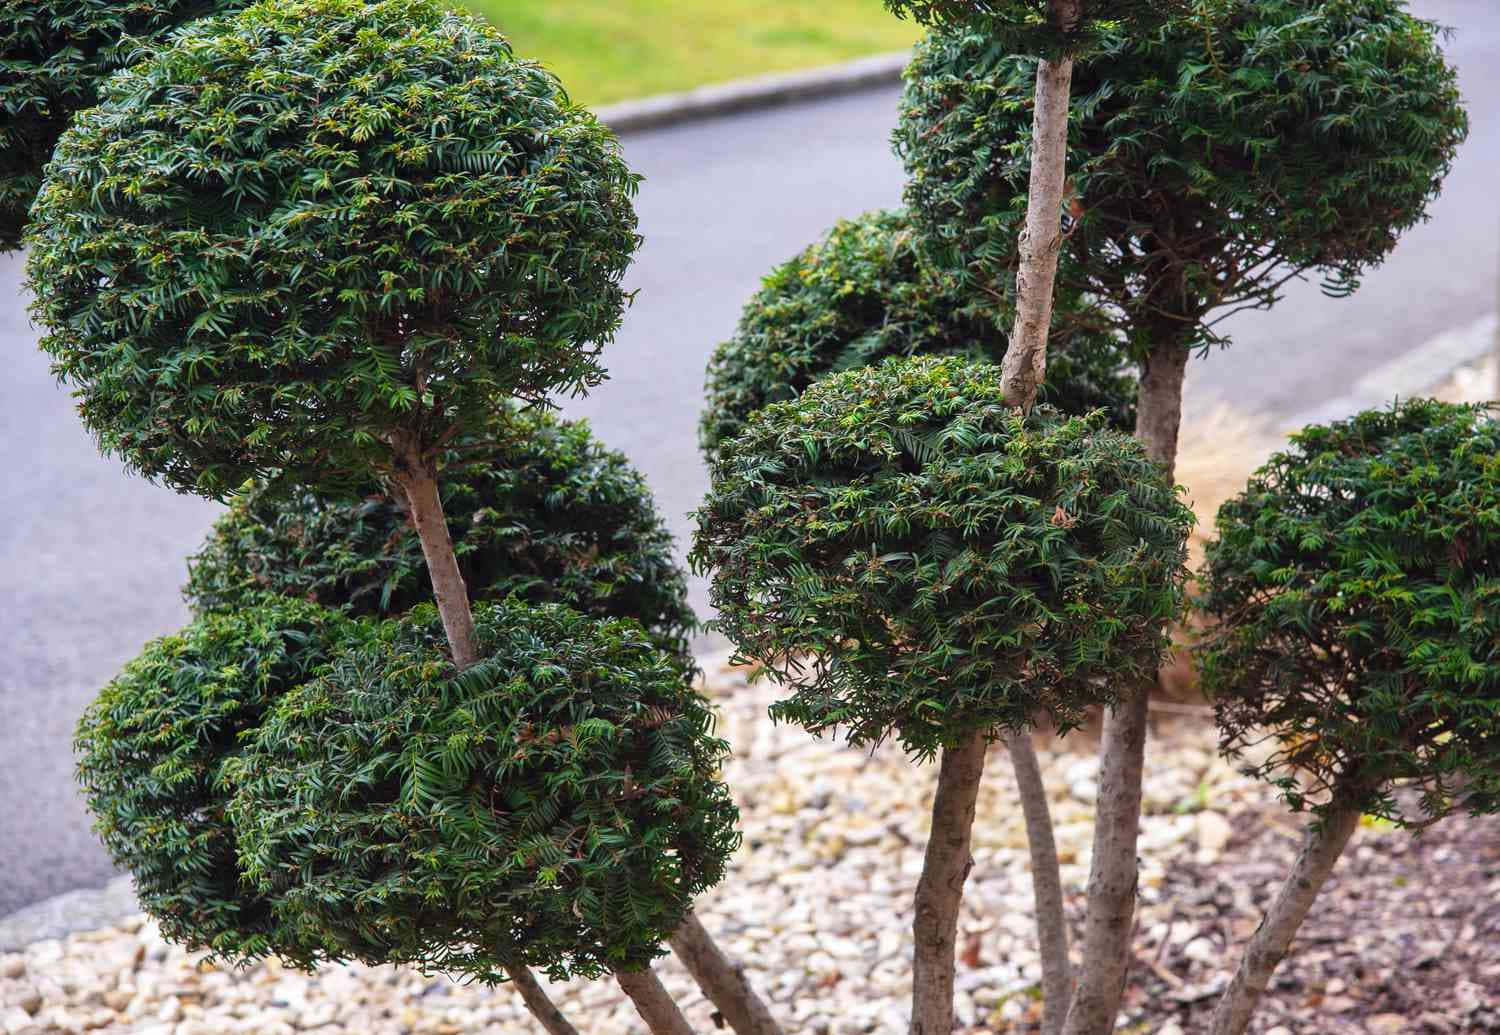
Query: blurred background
[[91, 558]]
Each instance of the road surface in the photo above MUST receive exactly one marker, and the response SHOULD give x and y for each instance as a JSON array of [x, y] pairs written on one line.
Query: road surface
[[91, 559]]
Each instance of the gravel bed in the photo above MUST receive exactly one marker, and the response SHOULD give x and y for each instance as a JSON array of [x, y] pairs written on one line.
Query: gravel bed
[[1406, 939]]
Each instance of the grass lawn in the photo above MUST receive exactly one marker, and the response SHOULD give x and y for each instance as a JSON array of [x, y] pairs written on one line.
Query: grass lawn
[[611, 50]]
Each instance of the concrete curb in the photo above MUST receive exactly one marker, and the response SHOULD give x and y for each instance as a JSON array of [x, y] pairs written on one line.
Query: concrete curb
[[767, 91], [86, 909], [1410, 374]]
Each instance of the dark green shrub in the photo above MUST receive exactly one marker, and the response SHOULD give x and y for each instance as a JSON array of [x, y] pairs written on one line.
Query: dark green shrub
[[862, 294], [53, 56], [556, 805], [322, 238], [150, 750], [911, 554], [543, 511], [1211, 158], [1356, 589]]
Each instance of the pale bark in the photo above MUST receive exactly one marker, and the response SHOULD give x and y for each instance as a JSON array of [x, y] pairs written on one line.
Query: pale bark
[[1046, 884], [1321, 848], [653, 1002], [1113, 873], [940, 888], [425, 506], [541, 1007], [722, 980], [1025, 362]]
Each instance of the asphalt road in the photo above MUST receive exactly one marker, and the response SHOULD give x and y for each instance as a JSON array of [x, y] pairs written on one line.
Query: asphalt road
[[91, 559]]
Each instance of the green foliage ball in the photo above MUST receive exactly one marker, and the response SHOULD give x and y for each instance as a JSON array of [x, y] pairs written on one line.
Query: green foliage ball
[[911, 554], [1028, 26], [53, 56], [538, 508], [555, 806], [150, 753], [322, 237], [863, 294], [1209, 159], [1355, 586]]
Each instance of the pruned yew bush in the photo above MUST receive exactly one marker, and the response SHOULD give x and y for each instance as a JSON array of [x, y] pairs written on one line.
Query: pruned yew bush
[[911, 555], [53, 58], [864, 294], [1355, 587], [1209, 159], [538, 508], [555, 805], [331, 232], [151, 751]]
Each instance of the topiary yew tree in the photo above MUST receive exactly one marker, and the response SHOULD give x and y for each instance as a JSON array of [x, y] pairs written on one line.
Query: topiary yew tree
[[864, 293], [1356, 589], [913, 555], [325, 245], [53, 57], [1216, 154]]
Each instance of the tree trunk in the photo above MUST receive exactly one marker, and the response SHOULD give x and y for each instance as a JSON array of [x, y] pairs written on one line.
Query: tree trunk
[[426, 509], [940, 888], [1117, 821], [1046, 884], [722, 980], [1321, 847], [653, 1002], [1025, 362], [1159, 404], [541, 1007]]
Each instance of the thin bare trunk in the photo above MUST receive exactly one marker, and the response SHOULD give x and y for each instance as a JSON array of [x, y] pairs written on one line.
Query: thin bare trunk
[[1113, 873], [1025, 363], [541, 1007], [722, 980], [940, 888], [653, 1002], [1321, 848], [426, 509], [1046, 884]]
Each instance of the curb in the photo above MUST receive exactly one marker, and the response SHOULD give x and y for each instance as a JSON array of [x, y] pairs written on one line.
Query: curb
[[670, 109], [1410, 374], [85, 909]]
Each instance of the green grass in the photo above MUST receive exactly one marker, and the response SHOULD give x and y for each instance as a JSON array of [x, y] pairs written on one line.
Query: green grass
[[611, 50]]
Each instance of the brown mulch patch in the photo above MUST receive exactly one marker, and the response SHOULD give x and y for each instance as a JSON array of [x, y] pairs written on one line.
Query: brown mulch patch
[[1405, 938]]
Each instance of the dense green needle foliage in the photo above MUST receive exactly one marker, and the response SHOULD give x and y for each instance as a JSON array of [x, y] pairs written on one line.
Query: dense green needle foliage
[[863, 294], [323, 237], [151, 749], [1210, 159], [1356, 589], [556, 805], [1029, 27], [911, 554], [538, 508], [53, 57]]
